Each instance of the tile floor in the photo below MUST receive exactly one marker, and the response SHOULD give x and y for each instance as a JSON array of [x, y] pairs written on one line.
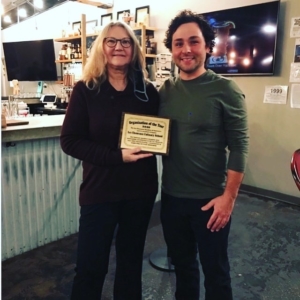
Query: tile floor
[[264, 253]]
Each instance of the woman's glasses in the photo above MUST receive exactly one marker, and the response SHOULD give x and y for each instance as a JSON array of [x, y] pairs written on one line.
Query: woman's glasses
[[112, 42]]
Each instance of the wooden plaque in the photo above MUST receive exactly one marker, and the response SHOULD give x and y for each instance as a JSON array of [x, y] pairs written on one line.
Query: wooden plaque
[[150, 133]]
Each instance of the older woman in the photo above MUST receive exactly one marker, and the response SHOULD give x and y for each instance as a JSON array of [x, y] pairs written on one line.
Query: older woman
[[119, 185]]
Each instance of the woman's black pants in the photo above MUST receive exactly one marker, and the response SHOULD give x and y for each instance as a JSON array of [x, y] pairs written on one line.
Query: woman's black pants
[[97, 225]]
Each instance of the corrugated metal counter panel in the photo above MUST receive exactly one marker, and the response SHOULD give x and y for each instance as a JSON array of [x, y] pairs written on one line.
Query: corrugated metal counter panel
[[40, 186]]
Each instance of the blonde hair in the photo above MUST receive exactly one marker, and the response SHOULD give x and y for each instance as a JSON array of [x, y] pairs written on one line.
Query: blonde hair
[[95, 72]]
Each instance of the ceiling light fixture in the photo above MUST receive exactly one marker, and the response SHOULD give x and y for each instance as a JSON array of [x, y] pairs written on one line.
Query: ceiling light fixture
[[20, 10], [7, 19], [22, 13], [99, 3]]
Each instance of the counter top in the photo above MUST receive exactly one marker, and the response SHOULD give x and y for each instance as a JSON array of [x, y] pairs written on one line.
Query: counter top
[[38, 128]]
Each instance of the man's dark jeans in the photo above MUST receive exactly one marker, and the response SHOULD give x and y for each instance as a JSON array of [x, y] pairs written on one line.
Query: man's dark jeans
[[184, 226]]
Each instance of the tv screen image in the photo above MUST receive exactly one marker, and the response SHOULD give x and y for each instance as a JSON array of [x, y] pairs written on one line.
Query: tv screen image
[[245, 39], [30, 60]]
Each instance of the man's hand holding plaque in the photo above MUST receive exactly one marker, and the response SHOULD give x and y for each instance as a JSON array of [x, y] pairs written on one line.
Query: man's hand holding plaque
[[149, 133]]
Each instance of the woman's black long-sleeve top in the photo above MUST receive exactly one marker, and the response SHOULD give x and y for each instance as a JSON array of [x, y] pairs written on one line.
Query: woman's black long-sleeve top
[[90, 133]]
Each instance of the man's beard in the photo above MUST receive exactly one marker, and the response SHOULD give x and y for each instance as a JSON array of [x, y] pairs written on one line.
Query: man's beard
[[189, 70]]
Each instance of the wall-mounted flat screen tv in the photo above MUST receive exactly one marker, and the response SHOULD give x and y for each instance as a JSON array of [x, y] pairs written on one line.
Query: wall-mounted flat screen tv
[[245, 39], [30, 60]]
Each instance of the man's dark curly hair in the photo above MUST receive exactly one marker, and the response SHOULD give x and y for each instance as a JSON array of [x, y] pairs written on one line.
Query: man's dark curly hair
[[187, 16]]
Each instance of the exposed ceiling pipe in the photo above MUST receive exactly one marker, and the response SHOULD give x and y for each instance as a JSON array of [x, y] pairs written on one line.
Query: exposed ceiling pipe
[[98, 3]]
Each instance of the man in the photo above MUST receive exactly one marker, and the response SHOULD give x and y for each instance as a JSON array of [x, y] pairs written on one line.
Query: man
[[199, 184]]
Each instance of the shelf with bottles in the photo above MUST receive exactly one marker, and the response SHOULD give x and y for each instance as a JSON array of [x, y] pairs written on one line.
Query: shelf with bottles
[[148, 30], [144, 35], [79, 40], [69, 53], [75, 38], [68, 39], [66, 61]]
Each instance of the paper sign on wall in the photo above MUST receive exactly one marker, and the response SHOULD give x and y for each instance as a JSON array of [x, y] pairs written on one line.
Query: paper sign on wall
[[295, 96], [276, 94], [295, 72], [295, 27]]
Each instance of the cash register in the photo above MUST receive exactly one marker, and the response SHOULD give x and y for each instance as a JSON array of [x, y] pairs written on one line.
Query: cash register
[[50, 107], [49, 100]]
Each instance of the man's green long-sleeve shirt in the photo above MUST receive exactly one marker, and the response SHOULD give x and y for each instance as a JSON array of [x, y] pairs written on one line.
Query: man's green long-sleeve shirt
[[209, 134]]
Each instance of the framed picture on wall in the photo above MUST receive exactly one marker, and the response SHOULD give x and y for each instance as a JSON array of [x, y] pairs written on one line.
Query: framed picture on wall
[[105, 19], [120, 14], [76, 26], [91, 25], [140, 14]]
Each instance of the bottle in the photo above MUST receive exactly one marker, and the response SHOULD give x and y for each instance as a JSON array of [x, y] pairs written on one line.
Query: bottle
[[62, 54], [148, 43], [72, 55], [79, 52], [76, 51], [69, 51], [66, 49]]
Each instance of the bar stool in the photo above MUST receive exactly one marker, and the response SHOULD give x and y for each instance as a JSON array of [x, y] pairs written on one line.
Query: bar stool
[[295, 167]]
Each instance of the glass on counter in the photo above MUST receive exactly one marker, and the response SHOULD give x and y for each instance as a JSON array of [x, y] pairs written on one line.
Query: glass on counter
[[13, 106]]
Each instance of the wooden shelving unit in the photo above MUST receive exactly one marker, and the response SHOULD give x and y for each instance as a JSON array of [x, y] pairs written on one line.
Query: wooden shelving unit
[[69, 38], [141, 32], [144, 31], [79, 38], [150, 55], [65, 61]]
